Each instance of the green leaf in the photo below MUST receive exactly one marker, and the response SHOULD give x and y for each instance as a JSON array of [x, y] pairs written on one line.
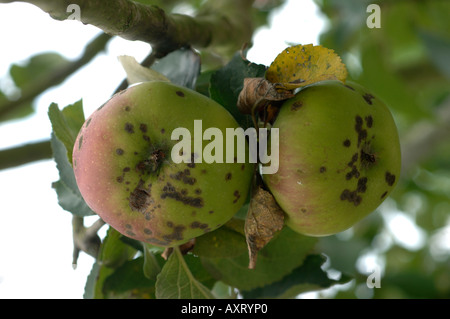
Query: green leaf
[[227, 83], [94, 281], [177, 282], [182, 67], [221, 243], [36, 68], [308, 277], [129, 282], [279, 257], [438, 49], [151, 265], [113, 251], [69, 196], [66, 124]]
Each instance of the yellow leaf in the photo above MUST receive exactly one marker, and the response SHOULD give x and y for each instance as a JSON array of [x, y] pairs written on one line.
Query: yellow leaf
[[302, 65]]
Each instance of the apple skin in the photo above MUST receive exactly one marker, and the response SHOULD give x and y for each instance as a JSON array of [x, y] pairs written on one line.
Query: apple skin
[[123, 166], [339, 157]]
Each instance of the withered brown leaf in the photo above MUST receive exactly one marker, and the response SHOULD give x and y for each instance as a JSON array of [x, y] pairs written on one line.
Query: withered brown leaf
[[258, 91], [264, 219]]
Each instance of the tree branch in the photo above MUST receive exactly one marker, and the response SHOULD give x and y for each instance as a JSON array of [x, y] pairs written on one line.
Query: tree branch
[[23, 154], [227, 22], [56, 77], [85, 239]]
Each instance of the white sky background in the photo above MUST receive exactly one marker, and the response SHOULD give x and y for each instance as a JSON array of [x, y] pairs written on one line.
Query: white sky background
[[35, 232]]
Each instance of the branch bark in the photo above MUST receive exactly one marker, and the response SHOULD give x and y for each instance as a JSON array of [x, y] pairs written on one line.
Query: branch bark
[[23, 154], [225, 22]]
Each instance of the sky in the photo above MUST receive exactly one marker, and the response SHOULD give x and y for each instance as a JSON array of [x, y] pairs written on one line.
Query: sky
[[35, 232]]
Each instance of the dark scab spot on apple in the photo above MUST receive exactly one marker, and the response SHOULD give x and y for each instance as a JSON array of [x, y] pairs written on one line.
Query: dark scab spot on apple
[[140, 198], [147, 231], [303, 210], [211, 212], [143, 128], [228, 176], [80, 142], [197, 224], [349, 87], [237, 195], [128, 226], [204, 171], [353, 173], [390, 178], [198, 191], [184, 176], [362, 185], [119, 179], [101, 106], [367, 158], [323, 169], [347, 143], [120, 151], [169, 224], [368, 98], [169, 191], [353, 161], [296, 105], [146, 138], [127, 109], [359, 123], [351, 196], [130, 233], [362, 136], [126, 169], [129, 128], [88, 122], [163, 131], [180, 94], [157, 242], [242, 167], [383, 195], [176, 235], [192, 163], [369, 121]]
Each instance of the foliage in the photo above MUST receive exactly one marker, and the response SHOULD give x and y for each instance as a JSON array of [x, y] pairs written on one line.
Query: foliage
[[405, 62]]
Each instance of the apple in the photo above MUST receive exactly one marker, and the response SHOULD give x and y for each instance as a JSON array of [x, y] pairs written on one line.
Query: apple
[[339, 157], [126, 174]]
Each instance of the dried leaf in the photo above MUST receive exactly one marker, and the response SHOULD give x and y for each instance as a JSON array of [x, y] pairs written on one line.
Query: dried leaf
[[257, 92], [302, 65], [264, 219]]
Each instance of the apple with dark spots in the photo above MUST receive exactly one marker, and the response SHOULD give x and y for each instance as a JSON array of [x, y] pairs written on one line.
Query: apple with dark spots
[[125, 172], [339, 157]]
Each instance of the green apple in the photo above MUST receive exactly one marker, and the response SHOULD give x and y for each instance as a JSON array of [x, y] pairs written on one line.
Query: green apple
[[339, 157], [126, 173]]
